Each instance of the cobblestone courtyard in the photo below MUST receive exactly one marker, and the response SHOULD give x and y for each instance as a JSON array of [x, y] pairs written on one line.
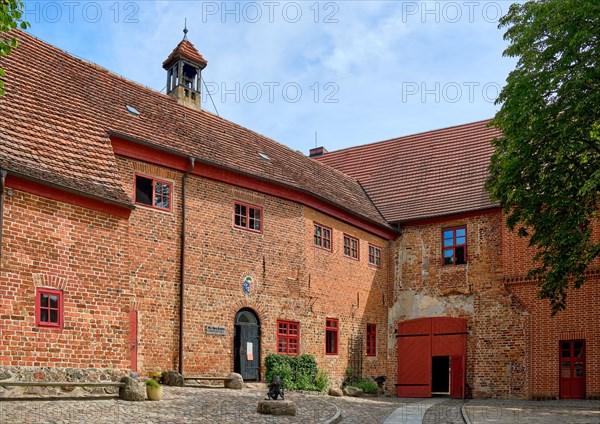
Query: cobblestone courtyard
[[200, 405], [197, 405]]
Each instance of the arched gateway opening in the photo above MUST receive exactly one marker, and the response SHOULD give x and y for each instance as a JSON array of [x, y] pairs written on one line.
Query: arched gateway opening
[[246, 344], [431, 357]]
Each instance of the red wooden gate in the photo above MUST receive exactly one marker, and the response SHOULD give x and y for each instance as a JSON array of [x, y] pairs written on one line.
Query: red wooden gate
[[572, 369], [414, 359], [133, 339], [457, 376], [421, 339]]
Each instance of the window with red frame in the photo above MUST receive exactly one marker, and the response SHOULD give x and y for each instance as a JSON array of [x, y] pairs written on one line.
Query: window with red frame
[[288, 337], [351, 247], [322, 237], [153, 192], [371, 339], [455, 246], [331, 336], [247, 217], [49, 308], [374, 255]]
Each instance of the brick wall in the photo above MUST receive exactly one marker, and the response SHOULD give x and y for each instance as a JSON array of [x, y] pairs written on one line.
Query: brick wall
[[153, 273], [107, 267], [294, 281], [220, 256], [579, 321], [352, 291], [79, 251], [423, 287]]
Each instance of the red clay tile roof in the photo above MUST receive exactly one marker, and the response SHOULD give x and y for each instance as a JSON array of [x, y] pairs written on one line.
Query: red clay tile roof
[[185, 50], [44, 134], [424, 175], [58, 110]]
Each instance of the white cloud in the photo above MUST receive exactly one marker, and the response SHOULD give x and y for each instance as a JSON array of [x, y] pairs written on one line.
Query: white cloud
[[371, 55]]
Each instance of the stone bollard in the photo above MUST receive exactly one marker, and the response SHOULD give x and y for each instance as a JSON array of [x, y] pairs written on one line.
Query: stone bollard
[[336, 392], [133, 390], [277, 407], [236, 383], [352, 391], [172, 378]]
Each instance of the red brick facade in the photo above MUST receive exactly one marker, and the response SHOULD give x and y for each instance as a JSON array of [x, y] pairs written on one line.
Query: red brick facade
[[83, 253], [76, 233], [295, 281], [107, 266], [578, 322], [424, 287], [512, 341]]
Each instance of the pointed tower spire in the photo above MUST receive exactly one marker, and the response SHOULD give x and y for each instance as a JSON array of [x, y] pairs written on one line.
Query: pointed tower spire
[[184, 66]]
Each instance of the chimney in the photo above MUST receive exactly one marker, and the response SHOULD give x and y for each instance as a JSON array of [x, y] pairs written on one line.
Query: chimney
[[317, 152]]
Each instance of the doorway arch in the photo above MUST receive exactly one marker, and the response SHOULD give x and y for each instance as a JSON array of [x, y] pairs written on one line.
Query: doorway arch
[[246, 344]]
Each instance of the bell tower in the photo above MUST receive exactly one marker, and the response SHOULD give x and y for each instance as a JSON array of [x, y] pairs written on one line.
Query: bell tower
[[184, 67]]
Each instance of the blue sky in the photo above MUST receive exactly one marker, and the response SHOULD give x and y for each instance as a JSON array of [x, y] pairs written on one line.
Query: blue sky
[[353, 72]]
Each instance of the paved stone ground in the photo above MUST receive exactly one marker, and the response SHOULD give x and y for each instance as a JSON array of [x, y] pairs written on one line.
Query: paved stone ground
[[545, 412], [194, 405], [447, 412], [368, 410], [197, 405]]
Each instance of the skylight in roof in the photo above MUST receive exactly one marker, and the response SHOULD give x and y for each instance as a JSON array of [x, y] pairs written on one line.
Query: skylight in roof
[[263, 156], [132, 110]]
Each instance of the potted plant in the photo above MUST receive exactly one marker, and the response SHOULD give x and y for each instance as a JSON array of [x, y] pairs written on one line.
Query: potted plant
[[153, 389], [156, 376]]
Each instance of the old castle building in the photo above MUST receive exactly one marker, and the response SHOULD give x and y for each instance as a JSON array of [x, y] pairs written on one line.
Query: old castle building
[[140, 232]]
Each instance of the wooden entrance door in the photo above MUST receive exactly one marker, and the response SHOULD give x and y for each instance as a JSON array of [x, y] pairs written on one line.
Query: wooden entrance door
[[133, 339], [247, 345], [572, 369]]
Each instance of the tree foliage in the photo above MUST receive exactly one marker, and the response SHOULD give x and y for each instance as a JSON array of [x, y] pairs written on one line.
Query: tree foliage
[[11, 12], [545, 172]]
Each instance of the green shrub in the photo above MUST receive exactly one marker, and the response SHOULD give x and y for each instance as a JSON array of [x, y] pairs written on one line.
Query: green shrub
[[296, 372], [366, 386], [284, 371], [322, 381], [303, 382], [272, 360], [305, 365]]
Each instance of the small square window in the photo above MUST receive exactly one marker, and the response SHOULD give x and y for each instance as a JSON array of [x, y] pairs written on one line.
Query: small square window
[[322, 236], [374, 255], [371, 339], [247, 217], [331, 336], [455, 246], [288, 337], [351, 247], [49, 308], [153, 193]]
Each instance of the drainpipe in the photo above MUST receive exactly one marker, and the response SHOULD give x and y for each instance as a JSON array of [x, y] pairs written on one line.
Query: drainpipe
[[2, 187], [182, 261]]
